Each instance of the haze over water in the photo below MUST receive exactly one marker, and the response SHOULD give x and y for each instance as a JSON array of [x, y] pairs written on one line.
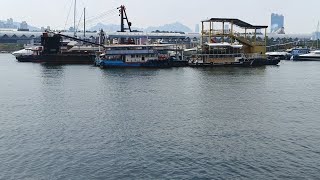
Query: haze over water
[[82, 122]]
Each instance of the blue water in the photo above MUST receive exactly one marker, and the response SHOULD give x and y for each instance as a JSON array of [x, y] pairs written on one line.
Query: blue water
[[83, 122]]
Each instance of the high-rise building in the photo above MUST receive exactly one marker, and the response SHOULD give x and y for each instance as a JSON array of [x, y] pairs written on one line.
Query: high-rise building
[[197, 28], [277, 22]]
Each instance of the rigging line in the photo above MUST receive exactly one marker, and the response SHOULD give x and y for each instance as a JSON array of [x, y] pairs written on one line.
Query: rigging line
[[79, 21], [105, 14], [91, 25], [113, 9], [68, 15], [92, 21], [98, 19], [107, 18], [104, 20]]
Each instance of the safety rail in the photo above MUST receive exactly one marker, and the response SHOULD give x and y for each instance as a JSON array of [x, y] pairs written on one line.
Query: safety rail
[[239, 55], [220, 55], [254, 56], [129, 52]]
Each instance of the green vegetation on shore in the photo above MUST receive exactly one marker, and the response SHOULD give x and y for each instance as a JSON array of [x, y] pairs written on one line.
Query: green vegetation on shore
[[8, 47]]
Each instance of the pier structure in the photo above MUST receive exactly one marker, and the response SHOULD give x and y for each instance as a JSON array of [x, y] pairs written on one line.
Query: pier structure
[[235, 30]]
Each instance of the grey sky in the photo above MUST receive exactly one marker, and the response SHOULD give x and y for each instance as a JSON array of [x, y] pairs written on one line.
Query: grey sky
[[300, 16]]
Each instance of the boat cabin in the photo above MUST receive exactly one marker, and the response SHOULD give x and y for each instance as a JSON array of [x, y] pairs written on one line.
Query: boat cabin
[[218, 53], [136, 53]]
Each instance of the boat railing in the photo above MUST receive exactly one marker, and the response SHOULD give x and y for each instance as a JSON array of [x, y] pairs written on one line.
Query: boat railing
[[259, 43], [217, 32], [239, 55], [130, 52], [254, 56], [236, 55]]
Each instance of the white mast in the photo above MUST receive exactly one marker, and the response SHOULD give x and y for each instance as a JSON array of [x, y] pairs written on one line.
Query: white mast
[[84, 22]]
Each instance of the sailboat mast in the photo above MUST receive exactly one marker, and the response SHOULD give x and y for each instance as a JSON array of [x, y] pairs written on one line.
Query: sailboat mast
[[317, 35], [74, 18]]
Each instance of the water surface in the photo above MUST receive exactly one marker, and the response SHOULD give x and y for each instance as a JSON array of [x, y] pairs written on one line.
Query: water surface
[[83, 122]]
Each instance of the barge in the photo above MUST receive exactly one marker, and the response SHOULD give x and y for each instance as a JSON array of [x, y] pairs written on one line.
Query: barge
[[228, 47]]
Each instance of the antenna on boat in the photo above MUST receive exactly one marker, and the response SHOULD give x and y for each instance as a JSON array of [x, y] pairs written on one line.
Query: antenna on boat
[[74, 18]]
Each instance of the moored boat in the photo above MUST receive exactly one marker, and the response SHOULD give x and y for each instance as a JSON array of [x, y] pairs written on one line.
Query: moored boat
[[154, 56], [54, 52], [29, 54], [279, 55], [227, 47], [296, 52], [220, 54], [312, 56]]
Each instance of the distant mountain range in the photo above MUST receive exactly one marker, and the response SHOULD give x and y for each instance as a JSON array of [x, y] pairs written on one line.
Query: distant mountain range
[[174, 27]]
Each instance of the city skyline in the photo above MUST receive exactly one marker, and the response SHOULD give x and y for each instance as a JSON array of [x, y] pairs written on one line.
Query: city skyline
[[152, 13]]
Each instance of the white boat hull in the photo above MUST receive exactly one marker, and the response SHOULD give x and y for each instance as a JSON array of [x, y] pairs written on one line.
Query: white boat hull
[[308, 58]]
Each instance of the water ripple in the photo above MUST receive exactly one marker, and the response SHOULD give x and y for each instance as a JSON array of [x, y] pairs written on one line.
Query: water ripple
[[81, 122]]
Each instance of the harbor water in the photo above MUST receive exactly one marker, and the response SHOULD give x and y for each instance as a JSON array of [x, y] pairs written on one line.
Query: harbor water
[[83, 122]]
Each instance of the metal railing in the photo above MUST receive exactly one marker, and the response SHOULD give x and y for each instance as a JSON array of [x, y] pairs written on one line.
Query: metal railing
[[237, 55], [254, 56], [129, 52], [220, 56]]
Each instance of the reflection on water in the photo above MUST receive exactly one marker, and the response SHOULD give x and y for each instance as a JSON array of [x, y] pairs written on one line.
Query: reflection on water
[[83, 122], [52, 71]]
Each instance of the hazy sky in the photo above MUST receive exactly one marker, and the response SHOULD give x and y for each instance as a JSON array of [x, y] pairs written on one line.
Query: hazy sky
[[300, 16]]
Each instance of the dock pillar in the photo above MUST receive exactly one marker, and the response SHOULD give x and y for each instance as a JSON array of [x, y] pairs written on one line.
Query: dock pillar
[[232, 39], [245, 33], [223, 31], [255, 35]]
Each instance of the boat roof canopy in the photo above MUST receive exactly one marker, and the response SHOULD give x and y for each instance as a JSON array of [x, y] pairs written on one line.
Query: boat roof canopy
[[237, 22], [134, 45]]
